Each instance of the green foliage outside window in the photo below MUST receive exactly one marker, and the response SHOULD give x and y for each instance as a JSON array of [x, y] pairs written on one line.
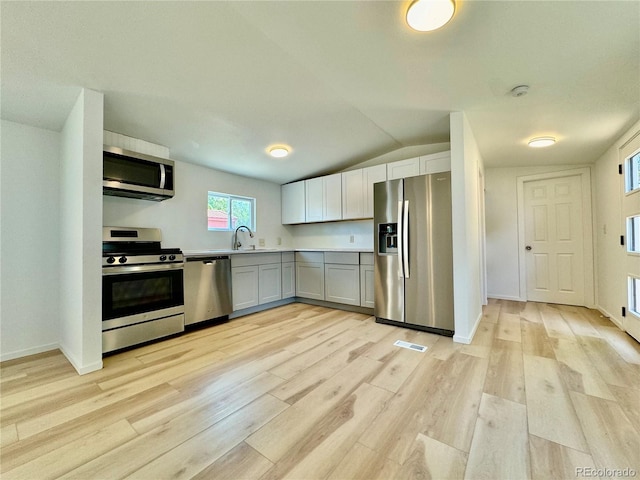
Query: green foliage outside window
[[227, 212]]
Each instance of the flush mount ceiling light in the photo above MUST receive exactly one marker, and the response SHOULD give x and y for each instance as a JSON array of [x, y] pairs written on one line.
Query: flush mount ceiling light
[[278, 151], [540, 142], [428, 15], [519, 91]]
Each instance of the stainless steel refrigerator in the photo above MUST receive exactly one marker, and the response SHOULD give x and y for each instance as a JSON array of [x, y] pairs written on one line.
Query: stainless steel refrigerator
[[414, 253]]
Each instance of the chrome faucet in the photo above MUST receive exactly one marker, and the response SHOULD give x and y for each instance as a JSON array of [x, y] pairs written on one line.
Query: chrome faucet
[[236, 244]]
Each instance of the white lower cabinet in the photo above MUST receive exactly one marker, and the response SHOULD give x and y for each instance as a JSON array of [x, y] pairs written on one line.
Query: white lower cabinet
[[342, 283], [366, 286], [269, 283], [256, 279], [310, 280], [245, 281], [288, 279]]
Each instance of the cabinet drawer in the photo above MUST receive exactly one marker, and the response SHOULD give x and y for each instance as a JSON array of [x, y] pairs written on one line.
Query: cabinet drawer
[[310, 257], [288, 257], [246, 259], [366, 258], [342, 258]]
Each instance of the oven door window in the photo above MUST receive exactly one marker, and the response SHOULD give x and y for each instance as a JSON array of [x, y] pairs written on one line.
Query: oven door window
[[133, 293]]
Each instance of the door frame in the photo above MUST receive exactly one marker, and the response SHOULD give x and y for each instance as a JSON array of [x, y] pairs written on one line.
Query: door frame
[[587, 223]]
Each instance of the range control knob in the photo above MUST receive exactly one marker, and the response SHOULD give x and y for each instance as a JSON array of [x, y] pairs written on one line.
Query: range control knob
[[172, 257], [163, 258], [110, 260], [122, 259]]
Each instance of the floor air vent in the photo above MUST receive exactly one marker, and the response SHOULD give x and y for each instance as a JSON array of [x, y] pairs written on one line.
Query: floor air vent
[[410, 346]]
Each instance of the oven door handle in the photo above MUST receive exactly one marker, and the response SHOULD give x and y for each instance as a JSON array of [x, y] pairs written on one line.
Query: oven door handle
[[120, 269]]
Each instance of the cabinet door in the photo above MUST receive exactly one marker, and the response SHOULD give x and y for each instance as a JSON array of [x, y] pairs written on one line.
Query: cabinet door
[[353, 194], [288, 279], [332, 197], [367, 286], [244, 281], [310, 280], [314, 190], [371, 175], [293, 201], [435, 163], [403, 168], [270, 283], [342, 283]]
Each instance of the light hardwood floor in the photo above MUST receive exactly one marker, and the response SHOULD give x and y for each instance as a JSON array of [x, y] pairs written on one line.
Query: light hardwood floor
[[306, 392]]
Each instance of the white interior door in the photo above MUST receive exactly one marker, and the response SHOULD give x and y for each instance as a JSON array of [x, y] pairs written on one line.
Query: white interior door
[[554, 240], [630, 156]]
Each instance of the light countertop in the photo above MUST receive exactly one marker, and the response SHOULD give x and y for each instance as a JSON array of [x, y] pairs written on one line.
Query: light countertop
[[200, 253]]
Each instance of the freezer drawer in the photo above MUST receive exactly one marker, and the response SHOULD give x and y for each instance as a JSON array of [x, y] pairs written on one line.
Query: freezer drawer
[[207, 289]]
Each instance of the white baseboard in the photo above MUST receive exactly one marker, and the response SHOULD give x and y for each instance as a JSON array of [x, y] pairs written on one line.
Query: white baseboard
[[610, 317], [28, 351], [81, 369], [467, 340], [505, 297]]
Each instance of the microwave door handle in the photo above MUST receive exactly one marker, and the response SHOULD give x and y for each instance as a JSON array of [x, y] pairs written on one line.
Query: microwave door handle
[[163, 175]]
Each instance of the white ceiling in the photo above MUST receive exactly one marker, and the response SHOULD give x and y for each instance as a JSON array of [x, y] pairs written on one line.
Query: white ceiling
[[339, 81]]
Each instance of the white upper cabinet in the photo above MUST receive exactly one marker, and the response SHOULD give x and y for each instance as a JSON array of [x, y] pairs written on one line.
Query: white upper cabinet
[[375, 174], [403, 168], [349, 195], [435, 163], [314, 199], [293, 203], [332, 197], [324, 198], [357, 191], [353, 189]]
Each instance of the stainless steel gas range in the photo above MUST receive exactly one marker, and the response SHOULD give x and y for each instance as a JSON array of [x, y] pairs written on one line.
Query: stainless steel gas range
[[142, 287]]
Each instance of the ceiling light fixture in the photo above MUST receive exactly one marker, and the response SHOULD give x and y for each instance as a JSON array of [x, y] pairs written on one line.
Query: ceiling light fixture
[[428, 15], [540, 142], [519, 91], [278, 151]]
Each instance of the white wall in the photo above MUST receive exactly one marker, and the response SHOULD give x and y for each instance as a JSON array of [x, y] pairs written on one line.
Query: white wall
[[183, 218], [334, 234], [80, 234], [611, 278], [466, 166], [503, 269], [29, 309]]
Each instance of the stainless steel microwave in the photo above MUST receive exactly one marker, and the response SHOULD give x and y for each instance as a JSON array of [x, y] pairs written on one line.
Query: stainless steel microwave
[[136, 175]]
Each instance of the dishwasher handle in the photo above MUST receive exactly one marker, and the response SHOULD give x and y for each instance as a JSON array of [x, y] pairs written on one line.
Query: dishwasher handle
[[208, 260]]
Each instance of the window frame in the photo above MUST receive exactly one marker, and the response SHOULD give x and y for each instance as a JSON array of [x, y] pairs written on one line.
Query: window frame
[[633, 235], [632, 173], [231, 197], [634, 295]]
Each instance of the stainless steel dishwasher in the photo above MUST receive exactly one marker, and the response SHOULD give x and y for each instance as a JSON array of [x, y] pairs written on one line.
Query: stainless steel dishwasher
[[207, 288]]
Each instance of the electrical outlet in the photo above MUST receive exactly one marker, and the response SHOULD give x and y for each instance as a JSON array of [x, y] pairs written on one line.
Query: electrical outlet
[[261, 242], [352, 238]]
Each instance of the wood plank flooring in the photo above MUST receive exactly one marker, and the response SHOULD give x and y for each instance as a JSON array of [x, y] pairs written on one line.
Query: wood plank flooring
[[306, 392]]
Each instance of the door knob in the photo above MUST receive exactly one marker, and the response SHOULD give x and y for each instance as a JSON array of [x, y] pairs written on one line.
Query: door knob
[[528, 247]]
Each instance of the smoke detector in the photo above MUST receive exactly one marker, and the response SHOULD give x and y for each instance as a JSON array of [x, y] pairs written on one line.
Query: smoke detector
[[520, 90]]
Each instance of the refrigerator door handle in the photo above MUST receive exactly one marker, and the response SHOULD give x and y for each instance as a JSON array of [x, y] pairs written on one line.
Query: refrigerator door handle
[[400, 233], [405, 239]]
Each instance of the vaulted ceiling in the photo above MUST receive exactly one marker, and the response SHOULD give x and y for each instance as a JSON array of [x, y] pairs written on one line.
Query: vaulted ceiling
[[339, 81]]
